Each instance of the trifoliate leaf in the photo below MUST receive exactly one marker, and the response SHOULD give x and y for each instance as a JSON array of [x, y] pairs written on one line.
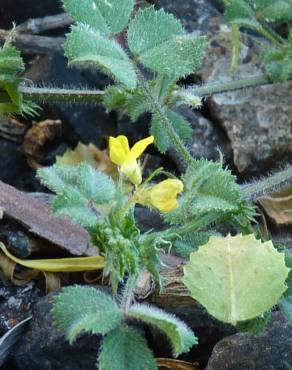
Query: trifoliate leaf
[[180, 336], [84, 45], [80, 309], [274, 11], [180, 125], [236, 278], [125, 349], [241, 13], [158, 41], [106, 16]]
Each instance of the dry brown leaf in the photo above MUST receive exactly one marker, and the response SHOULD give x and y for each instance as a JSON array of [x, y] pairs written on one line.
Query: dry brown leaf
[[171, 364], [53, 281], [279, 206], [36, 137], [40, 220], [8, 268], [97, 158]]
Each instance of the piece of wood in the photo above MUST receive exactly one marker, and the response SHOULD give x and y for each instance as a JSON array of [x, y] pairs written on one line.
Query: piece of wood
[[40, 220]]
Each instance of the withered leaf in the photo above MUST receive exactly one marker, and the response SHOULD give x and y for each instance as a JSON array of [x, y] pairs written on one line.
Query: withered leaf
[[172, 364], [99, 159], [279, 206], [40, 220]]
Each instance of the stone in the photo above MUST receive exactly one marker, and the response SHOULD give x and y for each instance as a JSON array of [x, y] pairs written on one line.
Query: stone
[[16, 303], [258, 120], [272, 350], [207, 139], [44, 347], [207, 329]]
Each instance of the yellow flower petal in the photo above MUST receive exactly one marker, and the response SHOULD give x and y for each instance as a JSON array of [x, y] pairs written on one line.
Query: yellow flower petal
[[121, 155], [140, 146], [163, 195], [133, 171], [119, 149]]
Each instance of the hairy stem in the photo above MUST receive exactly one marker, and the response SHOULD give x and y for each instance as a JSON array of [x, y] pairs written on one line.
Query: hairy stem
[[166, 124], [271, 184], [55, 95], [128, 293], [218, 88]]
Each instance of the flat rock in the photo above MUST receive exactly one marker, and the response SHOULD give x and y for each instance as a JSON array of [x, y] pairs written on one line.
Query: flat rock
[[45, 348], [272, 350], [258, 121]]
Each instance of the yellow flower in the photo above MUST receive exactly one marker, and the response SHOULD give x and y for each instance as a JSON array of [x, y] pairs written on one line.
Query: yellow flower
[[162, 196], [123, 156]]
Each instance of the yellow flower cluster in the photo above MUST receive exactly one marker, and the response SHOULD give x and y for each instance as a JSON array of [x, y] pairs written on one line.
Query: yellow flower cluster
[[162, 195]]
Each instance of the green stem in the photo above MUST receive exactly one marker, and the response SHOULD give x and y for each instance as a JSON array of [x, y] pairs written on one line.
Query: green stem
[[271, 184], [218, 88], [128, 293], [53, 95], [166, 124]]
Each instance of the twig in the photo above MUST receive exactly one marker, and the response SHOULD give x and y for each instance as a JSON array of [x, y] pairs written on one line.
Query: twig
[[32, 43], [35, 26]]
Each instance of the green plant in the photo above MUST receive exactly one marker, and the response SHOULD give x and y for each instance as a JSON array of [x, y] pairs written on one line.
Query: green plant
[[205, 197], [261, 16]]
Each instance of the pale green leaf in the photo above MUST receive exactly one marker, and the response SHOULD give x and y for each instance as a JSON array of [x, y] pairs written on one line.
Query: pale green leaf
[[80, 309], [78, 188], [236, 278], [158, 41], [125, 349], [84, 45], [91, 184], [106, 16], [180, 336], [239, 12]]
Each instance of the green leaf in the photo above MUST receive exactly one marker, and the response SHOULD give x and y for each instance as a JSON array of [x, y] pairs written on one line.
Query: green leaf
[[180, 125], [285, 303], [81, 309], [84, 45], [274, 11], [79, 189], [255, 326], [180, 336], [236, 278], [158, 41], [125, 349], [239, 12], [114, 98], [88, 182], [11, 63], [106, 16], [286, 307], [207, 188], [191, 242]]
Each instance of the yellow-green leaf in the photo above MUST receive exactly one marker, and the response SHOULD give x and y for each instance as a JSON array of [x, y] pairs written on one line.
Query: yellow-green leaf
[[74, 264]]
